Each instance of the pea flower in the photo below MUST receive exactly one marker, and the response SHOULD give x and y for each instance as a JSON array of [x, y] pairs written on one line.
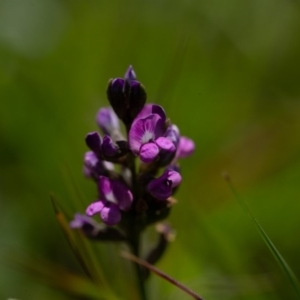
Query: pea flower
[[161, 188], [115, 196], [146, 138]]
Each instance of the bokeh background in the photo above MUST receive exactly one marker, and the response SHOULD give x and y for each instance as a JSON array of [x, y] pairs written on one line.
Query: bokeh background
[[226, 72]]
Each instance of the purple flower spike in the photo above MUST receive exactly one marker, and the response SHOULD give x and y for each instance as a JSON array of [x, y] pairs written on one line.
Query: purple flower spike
[[107, 120], [115, 197], [93, 141], [130, 75], [161, 188], [185, 148]]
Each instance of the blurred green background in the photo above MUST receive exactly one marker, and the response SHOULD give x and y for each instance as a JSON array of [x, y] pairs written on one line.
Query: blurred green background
[[226, 72]]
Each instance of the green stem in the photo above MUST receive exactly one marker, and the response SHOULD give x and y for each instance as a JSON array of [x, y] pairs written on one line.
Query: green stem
[[140, 281], [133, 231]]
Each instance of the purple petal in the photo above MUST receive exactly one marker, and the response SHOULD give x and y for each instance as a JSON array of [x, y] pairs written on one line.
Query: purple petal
[[90, 159], [93, 167], [83, 222], [149, 109], [165, 144], [172, 133], [122, 194], [107, 120], [95, 207], [110, 214], [145, 130], [108, 147], [116, 97], [117, 84], [186, 147], [105, 186], [174, 177], [130, 74], [109, 166], [137, 97], [149, 152], [160, 188], [93, 141]]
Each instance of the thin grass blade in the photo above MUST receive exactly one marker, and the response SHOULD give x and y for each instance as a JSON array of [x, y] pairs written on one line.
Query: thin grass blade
[[55, 276], [69, 235], [279, 258], [81, 249]]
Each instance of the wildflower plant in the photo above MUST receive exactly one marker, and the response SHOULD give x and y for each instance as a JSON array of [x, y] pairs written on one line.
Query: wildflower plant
[[136, 174]]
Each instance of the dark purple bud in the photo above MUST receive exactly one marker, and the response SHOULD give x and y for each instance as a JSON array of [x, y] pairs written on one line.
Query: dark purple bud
[[109, 148], [126, 96], [116, 97], [137, 99], [107, 120], [113, 150], [130, 75], [93, 141]]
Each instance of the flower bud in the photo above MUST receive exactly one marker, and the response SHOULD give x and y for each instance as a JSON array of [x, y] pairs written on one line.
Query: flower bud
[[107, 120], [126, 96], [93, 141], [117, 98], [110, 149], [130, 75]]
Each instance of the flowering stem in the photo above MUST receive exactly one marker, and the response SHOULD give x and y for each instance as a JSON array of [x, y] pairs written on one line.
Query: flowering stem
[[140, 281], [134, 229]]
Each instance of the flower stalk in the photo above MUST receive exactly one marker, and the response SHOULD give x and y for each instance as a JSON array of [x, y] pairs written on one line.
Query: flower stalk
[[141, 194]]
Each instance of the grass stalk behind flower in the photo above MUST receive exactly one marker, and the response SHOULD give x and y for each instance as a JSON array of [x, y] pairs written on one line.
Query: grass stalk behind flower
[[277, 255], [83, 253]]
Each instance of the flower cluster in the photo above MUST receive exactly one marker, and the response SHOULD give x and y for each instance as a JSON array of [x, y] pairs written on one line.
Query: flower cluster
[[137, 175]]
